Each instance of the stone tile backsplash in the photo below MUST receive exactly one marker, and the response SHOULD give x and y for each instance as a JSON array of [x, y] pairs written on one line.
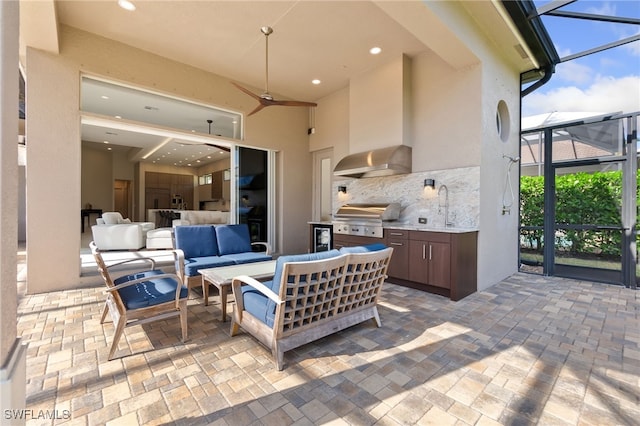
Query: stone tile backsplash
[[463, 185]]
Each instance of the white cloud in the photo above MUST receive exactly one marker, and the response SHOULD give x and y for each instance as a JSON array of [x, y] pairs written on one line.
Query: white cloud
[[574, 73], [606, 94], [605, 9], [632, 48]]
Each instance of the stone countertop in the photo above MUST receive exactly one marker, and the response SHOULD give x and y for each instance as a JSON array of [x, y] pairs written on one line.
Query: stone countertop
[[426, 228], [408, 227]]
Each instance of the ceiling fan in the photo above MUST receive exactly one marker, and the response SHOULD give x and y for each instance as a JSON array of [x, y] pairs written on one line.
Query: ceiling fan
[[266, 99], [220, 147]]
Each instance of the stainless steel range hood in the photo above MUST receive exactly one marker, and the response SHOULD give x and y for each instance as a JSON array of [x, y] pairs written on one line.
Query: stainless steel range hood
[[389, 161]]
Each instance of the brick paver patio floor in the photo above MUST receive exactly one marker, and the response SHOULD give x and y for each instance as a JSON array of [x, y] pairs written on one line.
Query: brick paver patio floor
[[529, 350]]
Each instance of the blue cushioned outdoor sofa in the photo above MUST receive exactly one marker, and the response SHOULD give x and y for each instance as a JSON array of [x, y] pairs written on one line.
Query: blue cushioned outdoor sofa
[[311, 296], [211, 246]]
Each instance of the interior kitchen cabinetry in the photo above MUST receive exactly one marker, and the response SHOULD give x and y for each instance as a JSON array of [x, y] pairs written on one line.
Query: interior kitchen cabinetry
[[217, 180], [160, 189]]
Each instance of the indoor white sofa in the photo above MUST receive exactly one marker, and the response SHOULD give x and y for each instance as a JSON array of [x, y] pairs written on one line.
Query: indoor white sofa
[[163, 236], [113, 232], [202, 217]]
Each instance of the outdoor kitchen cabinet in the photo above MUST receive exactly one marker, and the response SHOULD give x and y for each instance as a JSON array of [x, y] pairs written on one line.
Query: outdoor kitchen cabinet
[[399, 264], [443, 263], [430, 258]]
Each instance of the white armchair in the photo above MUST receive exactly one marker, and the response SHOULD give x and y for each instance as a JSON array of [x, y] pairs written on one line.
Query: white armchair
[[113, 232]]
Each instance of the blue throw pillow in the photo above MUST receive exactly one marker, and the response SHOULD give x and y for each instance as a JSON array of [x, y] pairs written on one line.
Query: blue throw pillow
[[233, 239], [196, 240]]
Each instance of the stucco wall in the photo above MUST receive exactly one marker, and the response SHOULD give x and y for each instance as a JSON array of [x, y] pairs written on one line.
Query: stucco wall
[[53, 172], [498, 241], [54, 177], [8, 178], [97, 179]]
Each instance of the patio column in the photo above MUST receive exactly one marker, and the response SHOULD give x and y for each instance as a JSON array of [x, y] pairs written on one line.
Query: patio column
[[12, 352]]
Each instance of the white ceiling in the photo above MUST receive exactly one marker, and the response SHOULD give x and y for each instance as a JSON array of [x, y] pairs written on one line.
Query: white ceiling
[[326, 40]]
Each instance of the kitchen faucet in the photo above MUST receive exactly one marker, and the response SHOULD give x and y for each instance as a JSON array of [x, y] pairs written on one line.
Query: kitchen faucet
[[446, 204]]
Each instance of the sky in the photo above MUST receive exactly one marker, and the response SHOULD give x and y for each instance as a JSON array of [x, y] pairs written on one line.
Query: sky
[[607, 81]]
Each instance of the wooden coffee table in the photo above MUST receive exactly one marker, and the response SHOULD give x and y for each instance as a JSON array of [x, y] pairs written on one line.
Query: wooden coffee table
[[222, 276]]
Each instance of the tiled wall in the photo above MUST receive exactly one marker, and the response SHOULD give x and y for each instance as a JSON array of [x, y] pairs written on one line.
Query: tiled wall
[[416, 201]]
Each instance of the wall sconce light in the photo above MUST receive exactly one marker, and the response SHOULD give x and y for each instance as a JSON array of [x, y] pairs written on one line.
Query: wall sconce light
[[430, 183], [342, 189]]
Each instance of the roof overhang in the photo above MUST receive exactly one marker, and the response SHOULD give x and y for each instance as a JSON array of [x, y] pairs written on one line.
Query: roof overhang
[[525, 18]]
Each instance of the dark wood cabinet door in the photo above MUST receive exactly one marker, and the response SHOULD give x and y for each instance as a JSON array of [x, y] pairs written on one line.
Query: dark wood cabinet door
[[418, 262], [399, 264], [439, 264], [216, 184]]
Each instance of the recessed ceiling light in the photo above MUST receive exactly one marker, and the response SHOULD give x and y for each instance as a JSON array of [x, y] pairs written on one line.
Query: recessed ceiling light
[[109, 149], [118, 117], [105, 141], [127, 5], [104, 97], [316, 81], [375, 50]]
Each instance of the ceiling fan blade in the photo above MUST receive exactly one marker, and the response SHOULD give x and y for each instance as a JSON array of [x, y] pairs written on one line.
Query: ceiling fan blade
[[266, 99], [258, 108], [220, 147], [294, 103], [247, 91]]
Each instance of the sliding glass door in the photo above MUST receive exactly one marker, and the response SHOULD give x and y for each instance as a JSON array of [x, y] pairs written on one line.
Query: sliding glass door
[[254, 192]]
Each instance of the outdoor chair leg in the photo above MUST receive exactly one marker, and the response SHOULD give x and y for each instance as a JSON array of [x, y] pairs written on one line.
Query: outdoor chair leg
[[119, 329], [183, 318], [104, 313]]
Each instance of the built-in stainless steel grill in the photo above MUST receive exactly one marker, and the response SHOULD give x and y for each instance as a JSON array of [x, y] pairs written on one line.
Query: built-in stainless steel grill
[[364, 219]]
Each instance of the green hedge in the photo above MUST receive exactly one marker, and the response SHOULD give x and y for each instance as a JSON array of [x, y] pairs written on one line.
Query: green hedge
[[581, 199]]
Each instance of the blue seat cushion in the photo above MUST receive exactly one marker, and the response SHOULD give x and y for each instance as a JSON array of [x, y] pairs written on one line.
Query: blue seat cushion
[[249, 257], [256, 304], [233, 239], [192, 265], [149, 293], [363, 249], [264, 308], [196, 240]]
